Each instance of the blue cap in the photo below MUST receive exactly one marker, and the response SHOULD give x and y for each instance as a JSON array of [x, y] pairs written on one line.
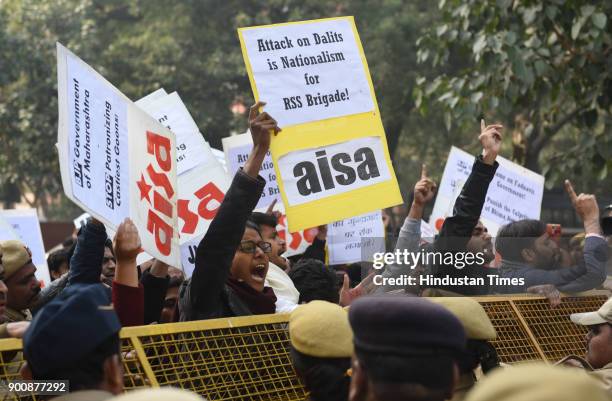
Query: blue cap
[[408, 326], [68, 328]]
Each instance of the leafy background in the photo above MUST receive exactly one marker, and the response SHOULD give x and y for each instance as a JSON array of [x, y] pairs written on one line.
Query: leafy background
[[540, 68]]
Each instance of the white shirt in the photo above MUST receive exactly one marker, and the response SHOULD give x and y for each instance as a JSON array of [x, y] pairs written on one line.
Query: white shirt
[[287, 296]]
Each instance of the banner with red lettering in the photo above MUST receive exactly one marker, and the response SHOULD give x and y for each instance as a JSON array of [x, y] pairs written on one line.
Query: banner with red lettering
[[202, 180], [116, 161]]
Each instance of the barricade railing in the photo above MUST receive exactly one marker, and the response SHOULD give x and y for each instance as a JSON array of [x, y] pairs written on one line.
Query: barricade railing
[[528, 328], [247, 358]]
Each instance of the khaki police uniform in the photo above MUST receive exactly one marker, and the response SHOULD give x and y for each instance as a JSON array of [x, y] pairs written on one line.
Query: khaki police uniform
[[477, 326], [601, 316], [537, 382]]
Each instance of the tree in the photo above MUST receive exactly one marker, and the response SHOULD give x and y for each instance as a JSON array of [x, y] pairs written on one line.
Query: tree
[[543, 68], [29, 167], [188, 46]]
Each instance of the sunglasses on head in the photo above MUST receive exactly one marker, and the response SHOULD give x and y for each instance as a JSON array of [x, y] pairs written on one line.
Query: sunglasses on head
[[251, 246]]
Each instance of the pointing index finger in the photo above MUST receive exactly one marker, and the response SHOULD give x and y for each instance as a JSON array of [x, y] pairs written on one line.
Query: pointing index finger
[[271, 207], [423, 171], [345, 283], [570, 191], [482, 125]]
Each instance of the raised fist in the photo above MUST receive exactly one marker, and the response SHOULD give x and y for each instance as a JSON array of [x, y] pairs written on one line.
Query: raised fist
[[127, 241]]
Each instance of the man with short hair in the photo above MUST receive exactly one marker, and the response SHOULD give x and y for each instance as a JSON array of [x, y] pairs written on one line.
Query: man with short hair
[[57, 261], [109, 263], [529, 253], [315, 281], [406, 348], [21, 282], [287, 296], [75, 337], [169, 311], [598, 344]]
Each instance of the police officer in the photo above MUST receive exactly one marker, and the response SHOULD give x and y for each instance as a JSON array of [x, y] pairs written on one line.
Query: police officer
[[75, 337], [20, 279], [599, 344], [321, 349], [537, 382], [405, 348], [8, 329], [479, 331]]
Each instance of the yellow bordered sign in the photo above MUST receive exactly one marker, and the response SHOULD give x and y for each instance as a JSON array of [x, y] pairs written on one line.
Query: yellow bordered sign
[[332, 156]]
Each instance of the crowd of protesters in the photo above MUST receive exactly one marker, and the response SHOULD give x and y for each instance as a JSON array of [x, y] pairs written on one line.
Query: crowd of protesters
[[350, 339]]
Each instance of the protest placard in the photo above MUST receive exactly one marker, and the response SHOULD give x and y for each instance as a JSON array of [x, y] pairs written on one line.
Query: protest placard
[[201, 191], [171, 112], [6, 231], [316, 70], [355, 239], [296, 242], [25, 225], [202, 185], [115, 160], [81, 220], [237, 149], [514, 194], [353, 162], [202, 182], [428, 233], [332, 150], [151, 98], [220, 156]]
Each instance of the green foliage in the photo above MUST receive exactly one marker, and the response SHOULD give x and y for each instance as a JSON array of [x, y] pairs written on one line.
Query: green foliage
[[544, 65], [542, 68], [188, 46]]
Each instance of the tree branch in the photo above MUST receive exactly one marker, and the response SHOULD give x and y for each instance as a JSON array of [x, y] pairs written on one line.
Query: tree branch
[[567, 45], [550, 131]]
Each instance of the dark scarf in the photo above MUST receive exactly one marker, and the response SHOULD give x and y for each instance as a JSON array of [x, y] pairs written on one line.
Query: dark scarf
[[259, 303]]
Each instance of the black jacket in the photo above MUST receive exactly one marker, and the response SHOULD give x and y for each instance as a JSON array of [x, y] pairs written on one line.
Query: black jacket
[[206, 295], [457, 229], [155, 289]]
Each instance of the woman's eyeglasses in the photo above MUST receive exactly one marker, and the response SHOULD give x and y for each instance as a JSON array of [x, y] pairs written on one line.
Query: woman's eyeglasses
[[251, 246]]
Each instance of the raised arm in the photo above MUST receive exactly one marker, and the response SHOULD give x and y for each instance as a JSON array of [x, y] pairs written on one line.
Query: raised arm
[[128, 294], [410, 234], [127, 246], [593, 273], [216, 250], [457, 229], [316, 250], [86, 262]]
